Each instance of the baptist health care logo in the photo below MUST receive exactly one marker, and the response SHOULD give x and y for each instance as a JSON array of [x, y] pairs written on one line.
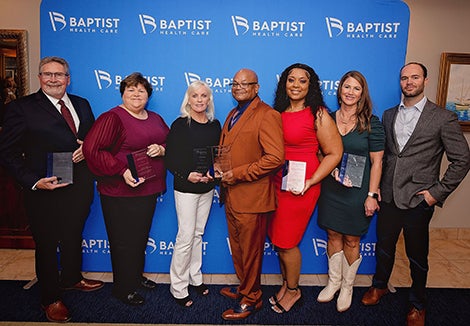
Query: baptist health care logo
[[102, 246], [166, 248], [269, 249], [95, 246], [104, 80], [218, 84], [267, 28], [104, 25], [178, 27], [319, 247], [381, 30]]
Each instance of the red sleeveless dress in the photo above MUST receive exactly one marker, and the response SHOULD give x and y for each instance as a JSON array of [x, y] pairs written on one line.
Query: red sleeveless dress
[[288, 224]]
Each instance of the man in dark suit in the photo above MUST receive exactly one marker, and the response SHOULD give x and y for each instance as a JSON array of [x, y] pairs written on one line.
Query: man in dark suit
[[418, 132], [34, 126], [253, 130]]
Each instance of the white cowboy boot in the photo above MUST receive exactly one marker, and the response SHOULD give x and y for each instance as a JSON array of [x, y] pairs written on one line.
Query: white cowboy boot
[[335, 263], [349, 275]]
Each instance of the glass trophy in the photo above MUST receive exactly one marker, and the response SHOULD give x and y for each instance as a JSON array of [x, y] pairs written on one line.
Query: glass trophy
[[139, 165], [60, 165], [351, 171], [201, 159], [221, 160], [293, 175]]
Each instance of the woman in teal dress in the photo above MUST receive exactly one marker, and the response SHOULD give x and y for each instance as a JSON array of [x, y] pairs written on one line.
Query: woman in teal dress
[[347, 203]]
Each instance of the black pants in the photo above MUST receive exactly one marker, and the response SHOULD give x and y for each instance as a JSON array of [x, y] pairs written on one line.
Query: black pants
[[128, 221], [415, 224], [57, 219]]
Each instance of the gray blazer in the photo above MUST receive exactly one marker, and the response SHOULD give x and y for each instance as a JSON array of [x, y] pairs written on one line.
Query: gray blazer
[[417, 166]]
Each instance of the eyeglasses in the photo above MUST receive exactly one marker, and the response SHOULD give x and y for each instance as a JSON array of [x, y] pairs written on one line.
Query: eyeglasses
[[57, 75], [242, 85]]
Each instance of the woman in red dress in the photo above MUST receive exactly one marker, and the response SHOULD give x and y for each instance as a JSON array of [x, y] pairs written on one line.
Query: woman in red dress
[[307, 127]]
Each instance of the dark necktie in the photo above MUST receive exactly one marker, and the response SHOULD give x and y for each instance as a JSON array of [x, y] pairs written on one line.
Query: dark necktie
[[234, 119], [67, 116]]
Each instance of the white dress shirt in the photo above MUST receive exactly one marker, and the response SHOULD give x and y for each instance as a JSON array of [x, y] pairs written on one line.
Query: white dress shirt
[[406, 121]]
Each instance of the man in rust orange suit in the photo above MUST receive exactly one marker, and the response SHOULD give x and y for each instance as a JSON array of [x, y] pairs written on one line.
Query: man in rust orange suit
[[253, 130]]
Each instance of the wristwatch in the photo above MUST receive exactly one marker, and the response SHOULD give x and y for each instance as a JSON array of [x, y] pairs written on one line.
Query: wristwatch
[[373, 195]]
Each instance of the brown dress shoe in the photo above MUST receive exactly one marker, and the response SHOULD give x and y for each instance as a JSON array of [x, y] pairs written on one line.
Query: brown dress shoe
[[57, 312], [86, 285], [231, 293], [241, 311], [373, 295], [415, 317]]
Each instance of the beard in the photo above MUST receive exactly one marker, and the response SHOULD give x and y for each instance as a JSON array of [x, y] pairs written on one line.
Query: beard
[[414, 92]]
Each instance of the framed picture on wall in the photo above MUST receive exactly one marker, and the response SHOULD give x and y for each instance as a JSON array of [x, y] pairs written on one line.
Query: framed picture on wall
[[453, 91], [9, 73]]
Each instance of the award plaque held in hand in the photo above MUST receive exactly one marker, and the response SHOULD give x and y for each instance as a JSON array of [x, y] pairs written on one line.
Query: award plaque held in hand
[[351, 171], [201, 159], [139, 165], [221, 160], [293, 175], [61, 166]]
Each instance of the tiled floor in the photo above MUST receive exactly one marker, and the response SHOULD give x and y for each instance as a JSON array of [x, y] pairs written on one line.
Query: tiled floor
[[449, 261]]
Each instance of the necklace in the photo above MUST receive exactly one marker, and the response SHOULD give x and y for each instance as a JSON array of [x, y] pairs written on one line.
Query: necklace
[[351, 119]]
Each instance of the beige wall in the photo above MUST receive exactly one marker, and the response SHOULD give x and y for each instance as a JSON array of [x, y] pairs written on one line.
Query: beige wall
[[436, 26], [24, 14]]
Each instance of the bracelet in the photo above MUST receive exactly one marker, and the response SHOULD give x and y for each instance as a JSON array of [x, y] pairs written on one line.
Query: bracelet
[[333, 172], [373, 195]]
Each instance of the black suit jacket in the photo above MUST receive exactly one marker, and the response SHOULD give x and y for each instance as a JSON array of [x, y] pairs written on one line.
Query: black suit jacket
[[32, 128]]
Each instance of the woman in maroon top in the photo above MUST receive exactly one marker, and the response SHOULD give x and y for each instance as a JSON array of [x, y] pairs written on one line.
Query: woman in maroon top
[[128, 201]]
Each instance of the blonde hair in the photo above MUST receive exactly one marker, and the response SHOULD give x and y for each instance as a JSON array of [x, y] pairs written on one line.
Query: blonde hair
[[186, 108]]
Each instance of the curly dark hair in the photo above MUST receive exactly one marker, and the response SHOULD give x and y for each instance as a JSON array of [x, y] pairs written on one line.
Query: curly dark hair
[[314, 98]]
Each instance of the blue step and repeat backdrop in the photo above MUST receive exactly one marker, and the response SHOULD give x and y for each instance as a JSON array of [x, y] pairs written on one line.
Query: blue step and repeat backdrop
[[175, 42]]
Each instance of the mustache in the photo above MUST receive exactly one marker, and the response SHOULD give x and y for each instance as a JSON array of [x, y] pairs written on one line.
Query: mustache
[[53, 83]]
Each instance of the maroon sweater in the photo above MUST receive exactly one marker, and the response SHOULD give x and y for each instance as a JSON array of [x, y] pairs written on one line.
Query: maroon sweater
[[115, 134]]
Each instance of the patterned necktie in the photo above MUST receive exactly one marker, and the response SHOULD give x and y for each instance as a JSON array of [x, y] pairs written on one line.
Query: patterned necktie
[[67, 116], [234, 119]]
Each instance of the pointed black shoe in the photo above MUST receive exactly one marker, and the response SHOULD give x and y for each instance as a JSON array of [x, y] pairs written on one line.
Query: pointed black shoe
[[148, 284], [133, 299]]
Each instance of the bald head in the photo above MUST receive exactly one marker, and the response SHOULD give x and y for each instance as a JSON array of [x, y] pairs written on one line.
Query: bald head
[[248, 73], [245, 86]]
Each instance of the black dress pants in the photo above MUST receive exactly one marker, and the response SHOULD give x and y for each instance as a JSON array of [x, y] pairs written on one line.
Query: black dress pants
[[128, 221], [57, 219], [415, 224]]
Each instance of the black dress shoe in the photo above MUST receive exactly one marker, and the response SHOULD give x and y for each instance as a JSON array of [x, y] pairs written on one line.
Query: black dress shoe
[[133, 299], [148, 284]]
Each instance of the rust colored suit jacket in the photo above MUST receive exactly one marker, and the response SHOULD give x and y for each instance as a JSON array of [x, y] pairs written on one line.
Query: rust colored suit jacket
[[257, 151]]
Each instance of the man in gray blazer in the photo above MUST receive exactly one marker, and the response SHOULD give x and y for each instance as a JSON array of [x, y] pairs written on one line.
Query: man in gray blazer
[[418, 132]]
